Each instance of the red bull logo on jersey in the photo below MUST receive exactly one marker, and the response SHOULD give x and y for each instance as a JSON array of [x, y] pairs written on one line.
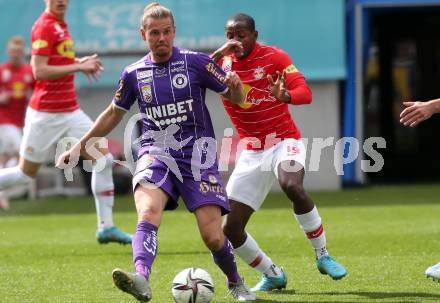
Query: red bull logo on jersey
[[255, 96], [259, 73]]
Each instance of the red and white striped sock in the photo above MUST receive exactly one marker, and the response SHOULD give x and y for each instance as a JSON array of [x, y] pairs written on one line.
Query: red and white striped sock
[[252, 254], [314, 231]]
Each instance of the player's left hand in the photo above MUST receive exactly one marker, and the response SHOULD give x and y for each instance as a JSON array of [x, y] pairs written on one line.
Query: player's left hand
[[415, 113], [278, 87]]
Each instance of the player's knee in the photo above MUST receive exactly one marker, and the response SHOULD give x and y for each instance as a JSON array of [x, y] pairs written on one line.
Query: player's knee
[[293, 187], [213, 242], [236, 236], [148, 213]]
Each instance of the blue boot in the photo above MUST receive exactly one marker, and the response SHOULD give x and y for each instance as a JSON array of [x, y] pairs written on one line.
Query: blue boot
[[328, 266]]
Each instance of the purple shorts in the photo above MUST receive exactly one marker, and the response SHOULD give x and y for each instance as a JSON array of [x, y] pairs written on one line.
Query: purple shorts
[[177, 179]]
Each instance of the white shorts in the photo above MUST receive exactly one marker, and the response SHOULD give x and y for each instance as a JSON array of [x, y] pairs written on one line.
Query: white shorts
[[10, 139], [256, 171], [42, 130]]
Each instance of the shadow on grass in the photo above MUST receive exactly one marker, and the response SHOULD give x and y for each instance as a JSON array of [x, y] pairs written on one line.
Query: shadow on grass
[[416, 296]]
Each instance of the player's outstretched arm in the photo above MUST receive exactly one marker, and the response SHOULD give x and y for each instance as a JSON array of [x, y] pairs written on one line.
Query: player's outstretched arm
[[43, 71], [103, 125], [226, 49], [417, 112], [235, 93]]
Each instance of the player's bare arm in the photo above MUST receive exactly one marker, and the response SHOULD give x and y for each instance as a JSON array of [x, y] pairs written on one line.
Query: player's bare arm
[[417, 112], [235, 93], [231, 46], [278, 87], [43, 71], [4, 97], [103, 125]]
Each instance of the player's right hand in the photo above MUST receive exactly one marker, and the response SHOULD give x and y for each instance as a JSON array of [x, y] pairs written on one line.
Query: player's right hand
[[230, 47], [415, 113], [91, 67], [232, 80], [69, 158]]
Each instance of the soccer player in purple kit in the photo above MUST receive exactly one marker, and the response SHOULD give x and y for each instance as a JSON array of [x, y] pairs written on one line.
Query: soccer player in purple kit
[[177, 155]]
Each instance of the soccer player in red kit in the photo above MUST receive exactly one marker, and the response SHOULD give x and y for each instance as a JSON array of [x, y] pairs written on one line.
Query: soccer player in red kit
[[54, 113], [273, 149], [16, 83]]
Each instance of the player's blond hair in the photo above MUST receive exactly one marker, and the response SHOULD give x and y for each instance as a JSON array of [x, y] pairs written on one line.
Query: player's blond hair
[[16, 40], [156, 11]]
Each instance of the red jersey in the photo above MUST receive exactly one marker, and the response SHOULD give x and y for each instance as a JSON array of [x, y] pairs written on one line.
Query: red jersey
[[50, 37], [18, 82], [262, 116]]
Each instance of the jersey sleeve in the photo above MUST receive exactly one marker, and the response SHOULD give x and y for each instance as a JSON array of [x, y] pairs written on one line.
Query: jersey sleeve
[[296, 84], [211, 75], [42, 39], [124, 96]]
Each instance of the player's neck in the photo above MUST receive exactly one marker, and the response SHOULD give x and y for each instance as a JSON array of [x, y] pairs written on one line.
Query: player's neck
[[160, 59], [57, 16], [15, 65]]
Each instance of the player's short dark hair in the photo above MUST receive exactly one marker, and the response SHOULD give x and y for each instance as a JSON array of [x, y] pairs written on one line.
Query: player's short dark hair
[[241, 17], [155, 10]]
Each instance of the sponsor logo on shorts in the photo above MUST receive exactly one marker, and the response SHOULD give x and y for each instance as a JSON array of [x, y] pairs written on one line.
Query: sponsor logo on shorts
[[212, 179], [206, 187], [292, 150], [30, 149], [223, 198]]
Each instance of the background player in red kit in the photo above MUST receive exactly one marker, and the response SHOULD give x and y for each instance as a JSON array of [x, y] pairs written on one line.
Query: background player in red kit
[[274, 149], [16, 83], [54, 113]]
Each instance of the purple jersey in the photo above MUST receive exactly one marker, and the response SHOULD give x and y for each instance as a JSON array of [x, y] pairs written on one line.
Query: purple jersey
[[171, 94]]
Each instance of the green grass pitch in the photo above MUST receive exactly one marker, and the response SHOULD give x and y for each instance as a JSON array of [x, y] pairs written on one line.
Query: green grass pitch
[[385, 236]]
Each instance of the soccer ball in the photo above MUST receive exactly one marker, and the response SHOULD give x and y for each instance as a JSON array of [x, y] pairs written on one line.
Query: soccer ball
[[193, 285]]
